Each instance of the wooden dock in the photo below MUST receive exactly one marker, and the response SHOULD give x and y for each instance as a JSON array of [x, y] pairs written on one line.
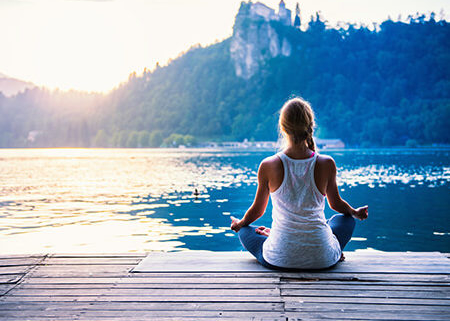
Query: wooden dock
[[367, 286]]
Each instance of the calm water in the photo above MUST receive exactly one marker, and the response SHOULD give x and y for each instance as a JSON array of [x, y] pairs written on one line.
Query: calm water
[[136, 200]]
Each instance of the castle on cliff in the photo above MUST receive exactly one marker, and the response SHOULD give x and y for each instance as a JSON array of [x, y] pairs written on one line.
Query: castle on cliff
[[284, 15], [257, 36]]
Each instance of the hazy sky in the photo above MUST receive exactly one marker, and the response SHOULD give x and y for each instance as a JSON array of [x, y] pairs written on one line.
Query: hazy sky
[[96, 44]]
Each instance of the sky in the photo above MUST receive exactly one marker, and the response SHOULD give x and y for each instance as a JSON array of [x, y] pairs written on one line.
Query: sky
[[94, 45]]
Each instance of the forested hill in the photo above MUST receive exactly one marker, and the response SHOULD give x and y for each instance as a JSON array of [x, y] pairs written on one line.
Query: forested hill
[[389, 86]]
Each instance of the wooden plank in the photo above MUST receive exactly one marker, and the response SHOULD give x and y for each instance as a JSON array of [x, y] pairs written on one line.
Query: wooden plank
[[141, 298], [346, 267], [98, 255], [202, 275], [92, 261], [395, 255], [20, 262], [286, 276], [367, 293], [255, 285], [370, 315], [200, 316], [32, 279], [36, 279], [143, 314], [21, 256], [243, 261], [297, 301], [52, 306], [81, 270], [20, 291], [175, 307], [6, 270], [423, 283], [147, 305], [387, 258], [365, 287], [156, 315], [420, 262], [356, 306], [85, 268], [142, 276]]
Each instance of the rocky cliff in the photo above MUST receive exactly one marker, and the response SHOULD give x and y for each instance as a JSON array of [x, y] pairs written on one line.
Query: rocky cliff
[[256, 37]]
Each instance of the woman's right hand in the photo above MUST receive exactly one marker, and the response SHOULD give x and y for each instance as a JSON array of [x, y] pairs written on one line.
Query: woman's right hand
[[362, 213], [262, 230], [236, 224]]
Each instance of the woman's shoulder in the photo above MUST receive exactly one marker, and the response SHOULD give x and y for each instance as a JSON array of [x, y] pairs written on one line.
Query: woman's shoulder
[[271, 163], [324, 158], [271, 169], [325, 162]]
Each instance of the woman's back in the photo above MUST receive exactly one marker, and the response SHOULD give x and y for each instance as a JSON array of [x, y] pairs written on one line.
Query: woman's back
[[300, 237]]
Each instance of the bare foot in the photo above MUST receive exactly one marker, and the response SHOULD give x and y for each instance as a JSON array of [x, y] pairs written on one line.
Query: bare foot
[[342, 258]]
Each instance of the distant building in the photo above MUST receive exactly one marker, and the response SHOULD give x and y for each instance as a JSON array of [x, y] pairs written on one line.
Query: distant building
[[32, 135], [232, 145], [260, 10], [209, 145], [329, 143], [245, 144], [265, 144], [284, 15]]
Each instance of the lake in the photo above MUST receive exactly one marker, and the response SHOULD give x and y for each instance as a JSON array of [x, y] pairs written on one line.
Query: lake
[[137, 200]]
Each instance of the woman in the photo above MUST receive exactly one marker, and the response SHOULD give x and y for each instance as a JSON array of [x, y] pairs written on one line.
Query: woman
[[298, 180]]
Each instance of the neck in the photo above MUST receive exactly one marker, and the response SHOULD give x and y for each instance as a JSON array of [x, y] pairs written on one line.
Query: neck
[[300, 150], [302, 146]]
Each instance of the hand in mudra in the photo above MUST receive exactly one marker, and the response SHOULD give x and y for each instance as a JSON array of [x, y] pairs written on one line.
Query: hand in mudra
[[236, 224], [263, 230], [362, 213]]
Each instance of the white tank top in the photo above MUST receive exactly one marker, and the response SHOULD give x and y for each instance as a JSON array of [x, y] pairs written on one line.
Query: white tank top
[[300, 237]]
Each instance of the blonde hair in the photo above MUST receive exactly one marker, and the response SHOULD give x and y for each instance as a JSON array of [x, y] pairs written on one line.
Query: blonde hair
[[296, 123]]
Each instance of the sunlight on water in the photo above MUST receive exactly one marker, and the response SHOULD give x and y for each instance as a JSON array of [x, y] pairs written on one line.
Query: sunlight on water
[[137, 200]]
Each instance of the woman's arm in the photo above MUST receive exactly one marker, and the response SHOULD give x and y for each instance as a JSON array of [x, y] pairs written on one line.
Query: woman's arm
[[335, 200], [259, 204]]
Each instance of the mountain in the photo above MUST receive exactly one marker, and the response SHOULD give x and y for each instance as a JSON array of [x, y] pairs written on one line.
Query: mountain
[[384, 87], [11, 86]]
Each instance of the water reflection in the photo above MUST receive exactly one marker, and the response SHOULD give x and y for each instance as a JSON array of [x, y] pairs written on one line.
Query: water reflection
[[104, 200]]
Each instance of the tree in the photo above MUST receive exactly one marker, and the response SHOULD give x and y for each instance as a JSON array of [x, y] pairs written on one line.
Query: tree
[[101, 139], [143, 139], [132, 141], [155, 138]]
